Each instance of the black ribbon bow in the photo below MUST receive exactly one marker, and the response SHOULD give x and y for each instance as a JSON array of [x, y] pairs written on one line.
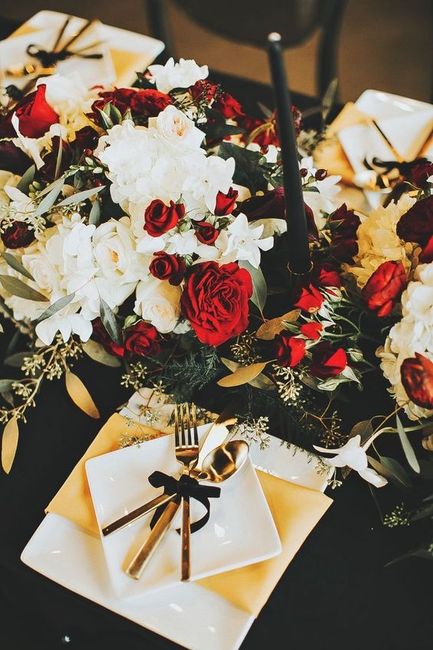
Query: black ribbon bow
[[185, 486], [48, 59]]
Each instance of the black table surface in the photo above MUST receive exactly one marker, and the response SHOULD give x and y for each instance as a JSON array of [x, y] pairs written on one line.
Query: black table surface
[[336, 593]]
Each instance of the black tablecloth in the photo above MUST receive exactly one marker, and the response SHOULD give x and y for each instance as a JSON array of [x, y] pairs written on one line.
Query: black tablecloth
[[337, 592]]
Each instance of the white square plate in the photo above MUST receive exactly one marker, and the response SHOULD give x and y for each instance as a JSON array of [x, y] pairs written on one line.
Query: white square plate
[[118, 483], [187, 614]]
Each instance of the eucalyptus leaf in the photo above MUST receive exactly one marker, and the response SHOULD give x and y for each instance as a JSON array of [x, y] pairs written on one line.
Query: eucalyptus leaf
[[26, 179], [6, 385], [80, 196], [49, 199], [95, 213], [106, 121], [17, 288], [392, 470], [15, 264], [260, 290], [109, 321], [363, 429], [328, 99], [9, 444], [407, 447], [59, 158], [55, 307], [16, 360], [97, 352]]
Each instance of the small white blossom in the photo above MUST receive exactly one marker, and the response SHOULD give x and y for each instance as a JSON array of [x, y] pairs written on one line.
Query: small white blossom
[[172, 75]]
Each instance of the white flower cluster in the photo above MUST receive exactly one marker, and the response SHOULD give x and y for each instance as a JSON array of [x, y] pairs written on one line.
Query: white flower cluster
[[413, 333]]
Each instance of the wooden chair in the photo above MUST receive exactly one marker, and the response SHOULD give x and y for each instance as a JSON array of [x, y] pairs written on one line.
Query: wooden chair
[[249, 22]]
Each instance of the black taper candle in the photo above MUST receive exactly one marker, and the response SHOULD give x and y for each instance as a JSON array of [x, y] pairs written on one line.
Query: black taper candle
[[297, 233]]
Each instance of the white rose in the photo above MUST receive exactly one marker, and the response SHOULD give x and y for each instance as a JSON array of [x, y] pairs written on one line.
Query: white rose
[[183, 74], [176, 129], [115, 253], [158, 302]]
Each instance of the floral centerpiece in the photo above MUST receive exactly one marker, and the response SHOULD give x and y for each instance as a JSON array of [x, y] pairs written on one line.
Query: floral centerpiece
[[146, 226]]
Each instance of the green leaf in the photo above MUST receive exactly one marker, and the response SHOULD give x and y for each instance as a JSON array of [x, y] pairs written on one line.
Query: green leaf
[[248, 171], [16, 360], [18, 288], [328, 99], [55, 307], [407, 447], [26, 179], [50, 198], [59, 158], [392, 470], [95, 213], [6, 385], [97, 352], [15, 264], [109, 321], [260, 290], [363, 429], [80, 196], [107, 123]]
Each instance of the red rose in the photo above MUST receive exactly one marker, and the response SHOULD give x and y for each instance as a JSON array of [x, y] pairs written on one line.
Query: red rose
[[426, 255], [149, 102], [215, 301], [159, 218], [12, 158], [327, 362], [203, 90], [310, 299], [101, 335], [312, 330], [35, 115], [290, 350], [344, 224], [384, 287], [417, 379], [86, 138], [421, 172], [206, 233], [326, 275], [17, 235], [168, 267], [142, 339], [228, 106], [416, 225], [225, 202]]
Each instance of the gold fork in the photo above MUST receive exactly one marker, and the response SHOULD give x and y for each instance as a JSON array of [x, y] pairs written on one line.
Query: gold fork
[[187, 452]]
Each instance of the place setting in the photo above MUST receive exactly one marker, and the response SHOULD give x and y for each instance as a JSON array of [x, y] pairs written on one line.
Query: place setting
[[236, 303]]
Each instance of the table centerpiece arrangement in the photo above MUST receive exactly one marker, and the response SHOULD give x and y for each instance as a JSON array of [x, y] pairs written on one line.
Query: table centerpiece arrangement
[[163, 229]]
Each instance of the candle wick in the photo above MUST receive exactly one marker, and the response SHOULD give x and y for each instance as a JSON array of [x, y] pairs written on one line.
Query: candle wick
[[274, 37]]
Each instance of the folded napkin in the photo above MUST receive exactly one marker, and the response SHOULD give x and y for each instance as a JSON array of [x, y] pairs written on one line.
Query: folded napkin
[[296, 510], [350, 138], [120, 64]]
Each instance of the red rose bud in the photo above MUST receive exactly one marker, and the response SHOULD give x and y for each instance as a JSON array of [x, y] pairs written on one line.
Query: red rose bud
[[312, 330], [225, 203], [327, 362], [426, 255], [384, 287], [206, 233], [310, 299], [290, 350], [215, 301], [344, 225], [168, 267], [159, 218], [18, 235], [326, 275], [101, 335], [12, 158], [228, 106], [421, 172], [142, 339], [35, 115], [417, 379], [416, 225], [203, 90]]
